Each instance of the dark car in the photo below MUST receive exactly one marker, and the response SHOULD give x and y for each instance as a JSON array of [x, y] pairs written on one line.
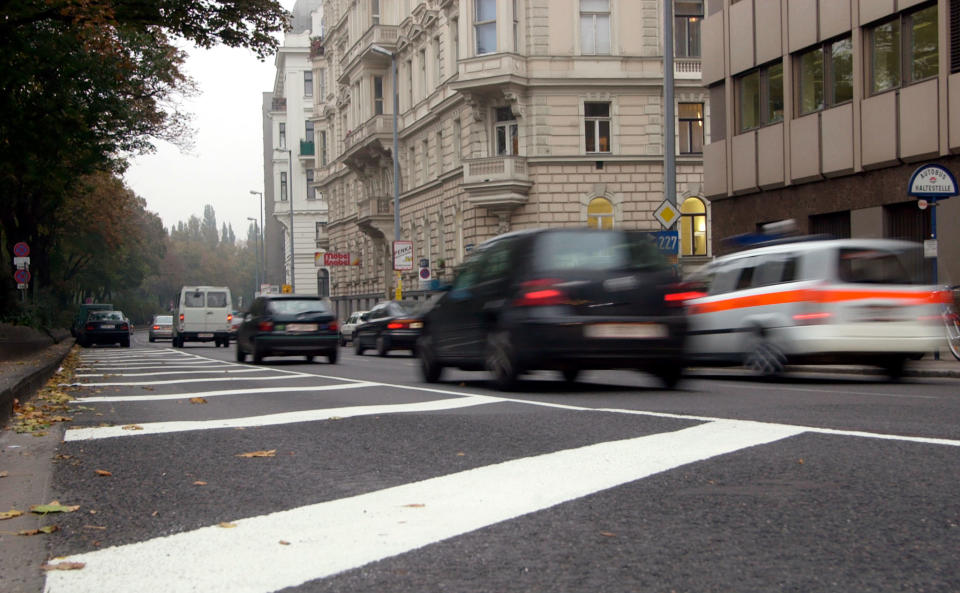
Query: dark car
[[105, 327], [80, 318], [287, 325], [391, 325], [561, 299], [161, 328]]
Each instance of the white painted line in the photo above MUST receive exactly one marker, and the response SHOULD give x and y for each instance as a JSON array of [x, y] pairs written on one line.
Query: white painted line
[[84, 434], [217, 393], [222, 370], [841, 392], [178, 381], [332, 537], [184, 365]]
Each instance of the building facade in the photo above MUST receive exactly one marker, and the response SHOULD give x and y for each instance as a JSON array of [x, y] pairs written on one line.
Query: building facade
[[823, 109], [512, 114], [291, 200]]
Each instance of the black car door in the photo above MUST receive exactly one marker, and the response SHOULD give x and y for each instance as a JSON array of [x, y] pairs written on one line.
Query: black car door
[[447, 321]]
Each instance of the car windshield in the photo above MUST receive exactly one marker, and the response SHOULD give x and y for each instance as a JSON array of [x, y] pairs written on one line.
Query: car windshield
[[881, 266], [294, 306], [163, 319], [107, 316], [595, 251]]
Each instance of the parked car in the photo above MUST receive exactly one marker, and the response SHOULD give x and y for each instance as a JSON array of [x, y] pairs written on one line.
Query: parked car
[[391, 325], [348, 328], [562, 299], [202, 315], [161, 328], [288, 325], [80, 317], [844, 301], [105, 327]]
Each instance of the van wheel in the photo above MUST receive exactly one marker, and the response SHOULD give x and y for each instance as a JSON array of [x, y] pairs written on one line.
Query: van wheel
[[764, 358], [501, 362]]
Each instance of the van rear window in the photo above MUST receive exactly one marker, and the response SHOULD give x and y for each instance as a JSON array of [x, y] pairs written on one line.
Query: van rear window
[[878, 266], [193, 299], [216, 299]]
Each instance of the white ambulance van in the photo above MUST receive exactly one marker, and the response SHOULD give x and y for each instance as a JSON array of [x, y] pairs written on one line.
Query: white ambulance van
[[203, 314]]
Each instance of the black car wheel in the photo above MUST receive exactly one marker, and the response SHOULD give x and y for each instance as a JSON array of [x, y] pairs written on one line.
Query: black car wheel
[[895, 366], [332, 356], [501, 361], [357, 346], [152, 339], [125, 343], [257, 353], [669, 373], [430, 367], [241, 355], [570, 374], [309, 357], [383, 345]]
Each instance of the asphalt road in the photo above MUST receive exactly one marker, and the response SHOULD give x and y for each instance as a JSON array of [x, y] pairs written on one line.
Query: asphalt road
[[379, 482]]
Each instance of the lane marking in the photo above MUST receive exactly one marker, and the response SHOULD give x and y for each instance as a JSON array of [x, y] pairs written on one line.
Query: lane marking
[[85, 434], [178, 381], [224, 369], [217, 393], [187, 366], [344, 534]]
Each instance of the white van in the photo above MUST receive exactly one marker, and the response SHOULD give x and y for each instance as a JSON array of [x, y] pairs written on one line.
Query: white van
[[203, 315]]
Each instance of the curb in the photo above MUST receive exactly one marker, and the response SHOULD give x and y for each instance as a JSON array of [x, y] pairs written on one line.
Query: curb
[[24, 387]]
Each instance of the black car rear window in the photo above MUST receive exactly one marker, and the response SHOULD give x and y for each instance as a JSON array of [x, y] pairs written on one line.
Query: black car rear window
[[594, 250], [294, 306], [880, 266]]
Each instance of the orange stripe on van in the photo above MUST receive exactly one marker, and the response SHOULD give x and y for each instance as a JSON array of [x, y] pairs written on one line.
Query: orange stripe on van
[[818, 296]]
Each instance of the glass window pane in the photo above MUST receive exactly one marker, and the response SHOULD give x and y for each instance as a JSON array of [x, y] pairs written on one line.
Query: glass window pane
[[690, 110], [694, 36], [596, 109], [923, 44], [750, 101], [486, 10], [603, 34], [501, 140], [811, 81], [775, 93], [594, 5], [680, 37], [841, 71], [504, 114], [885, 56], [588, 42], [514, 139], [486, 38], [684, 134], [686, 235], [604, 138], [696, 136], [688, 7], [589, 135], [692, 206]]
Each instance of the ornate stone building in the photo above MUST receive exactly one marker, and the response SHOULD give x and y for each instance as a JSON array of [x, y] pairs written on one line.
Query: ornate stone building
[[512, 114]]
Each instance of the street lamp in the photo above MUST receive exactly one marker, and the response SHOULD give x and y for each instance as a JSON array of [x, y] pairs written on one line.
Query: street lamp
[[396, 145], [293, 287], [263, 246], [256, 286]]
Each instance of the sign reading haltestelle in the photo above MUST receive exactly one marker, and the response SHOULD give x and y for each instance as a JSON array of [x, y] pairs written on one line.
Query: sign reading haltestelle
[[933, 181]]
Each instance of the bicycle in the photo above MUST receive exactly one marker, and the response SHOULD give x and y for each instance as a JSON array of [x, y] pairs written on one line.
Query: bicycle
[[951, 321]]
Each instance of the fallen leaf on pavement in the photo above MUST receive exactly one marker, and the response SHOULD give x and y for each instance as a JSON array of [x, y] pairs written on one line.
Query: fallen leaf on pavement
[[52, 507], [102, 472], [608, 534], [98, 527], [461, 454], [270, 453], [10, 514], [199, 483], [132, 427], [284, 543], [64, 566], [4, 474], [226, 525], [197, 400], [46, 529], [416, 505]]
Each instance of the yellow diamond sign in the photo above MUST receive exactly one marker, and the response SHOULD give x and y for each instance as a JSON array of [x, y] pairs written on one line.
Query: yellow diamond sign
[[667, 214]]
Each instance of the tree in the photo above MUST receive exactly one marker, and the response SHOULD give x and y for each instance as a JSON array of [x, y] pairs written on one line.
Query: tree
[[208, 228], [86, 83]]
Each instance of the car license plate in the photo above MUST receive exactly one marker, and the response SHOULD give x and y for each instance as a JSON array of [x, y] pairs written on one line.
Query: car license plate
[[107, 326], [625, 330], [204, 335], [302, 327]]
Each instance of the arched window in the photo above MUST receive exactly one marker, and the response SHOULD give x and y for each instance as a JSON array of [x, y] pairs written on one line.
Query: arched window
[[600, 214], [693, 227]]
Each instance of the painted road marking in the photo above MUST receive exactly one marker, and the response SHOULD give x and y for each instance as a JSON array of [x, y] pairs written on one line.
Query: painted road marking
[[99, 399], [85, 434], [223, 369], [344, 534], [179, 381]]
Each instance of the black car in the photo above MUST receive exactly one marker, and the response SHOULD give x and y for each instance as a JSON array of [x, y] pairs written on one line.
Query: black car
[[391, 325], [105, 327], [561, 299], [287, 325]]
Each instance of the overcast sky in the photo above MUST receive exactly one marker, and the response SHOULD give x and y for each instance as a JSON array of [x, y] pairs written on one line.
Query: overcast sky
[[227, 159]]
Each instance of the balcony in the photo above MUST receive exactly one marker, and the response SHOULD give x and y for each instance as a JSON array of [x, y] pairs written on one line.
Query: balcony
[[488, 73], [498, 183], [375, 207], [383, 35], [306, 148], [278, 104], [375, 217], [687, 69]]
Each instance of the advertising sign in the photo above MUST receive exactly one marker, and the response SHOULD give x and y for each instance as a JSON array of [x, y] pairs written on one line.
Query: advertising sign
[[402, 255], [336, 259]]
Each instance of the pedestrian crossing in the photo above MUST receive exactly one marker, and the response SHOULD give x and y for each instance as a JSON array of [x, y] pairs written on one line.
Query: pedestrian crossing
[[297, 545]]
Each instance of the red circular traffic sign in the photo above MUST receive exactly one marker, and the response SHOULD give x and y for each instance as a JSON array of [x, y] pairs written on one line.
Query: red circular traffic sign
[[22, 276], [21, 249]]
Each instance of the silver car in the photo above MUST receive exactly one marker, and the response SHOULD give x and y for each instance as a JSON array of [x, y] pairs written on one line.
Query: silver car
[[348, 329], [161, 328]]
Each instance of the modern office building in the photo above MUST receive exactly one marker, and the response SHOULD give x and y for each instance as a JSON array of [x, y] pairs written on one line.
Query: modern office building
[[822, 111], [291, 199], [512, 114]]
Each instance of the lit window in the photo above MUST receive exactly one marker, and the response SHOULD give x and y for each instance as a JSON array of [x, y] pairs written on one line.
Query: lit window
[[693, 227], [597, 127], [687, 18], [690, 119], [600, 214]]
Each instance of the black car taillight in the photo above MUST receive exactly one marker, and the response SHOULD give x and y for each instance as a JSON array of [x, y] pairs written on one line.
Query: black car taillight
[[540, 293], [405, 324], [89, 327], [265, 326], [333, 326]]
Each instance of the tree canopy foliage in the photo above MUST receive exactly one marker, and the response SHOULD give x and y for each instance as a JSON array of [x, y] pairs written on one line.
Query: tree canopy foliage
[[86, 84]]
